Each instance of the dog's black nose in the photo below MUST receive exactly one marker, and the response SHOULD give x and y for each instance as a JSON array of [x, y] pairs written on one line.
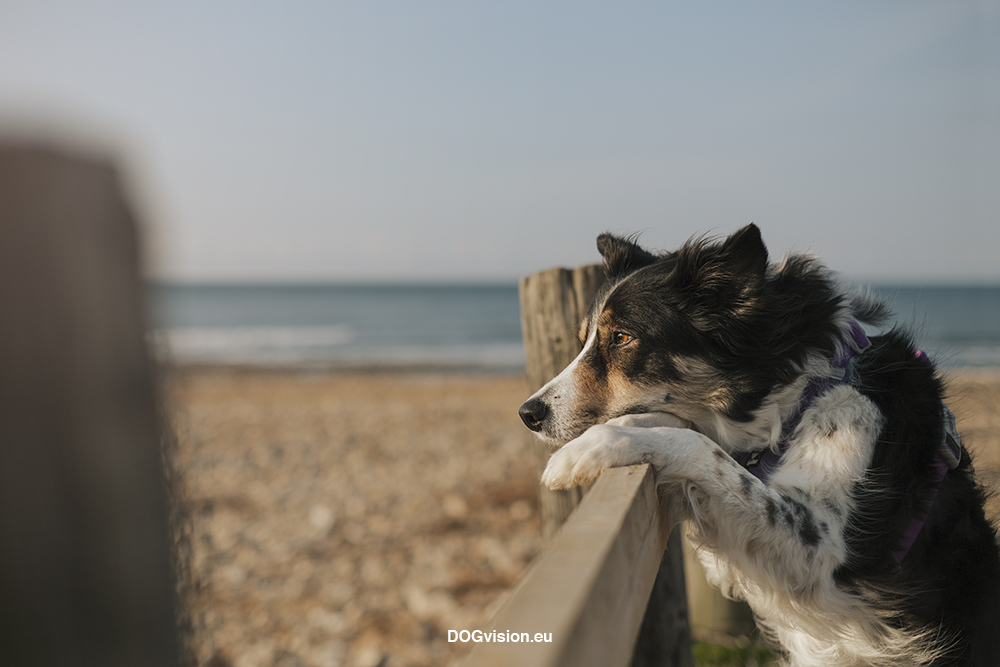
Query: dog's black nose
[[533, 413]]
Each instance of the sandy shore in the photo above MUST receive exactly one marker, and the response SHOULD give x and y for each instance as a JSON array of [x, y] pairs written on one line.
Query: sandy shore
[[353, 519], [347, 519]]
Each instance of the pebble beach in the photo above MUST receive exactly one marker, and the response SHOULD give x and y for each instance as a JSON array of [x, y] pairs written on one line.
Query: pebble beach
[[343, 518]]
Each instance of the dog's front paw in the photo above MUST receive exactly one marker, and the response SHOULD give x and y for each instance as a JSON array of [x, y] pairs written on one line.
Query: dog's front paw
[[582, 460]]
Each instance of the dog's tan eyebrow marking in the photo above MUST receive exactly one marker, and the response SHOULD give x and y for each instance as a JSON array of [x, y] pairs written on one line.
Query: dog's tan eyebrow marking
[[606, 321], [592, 321]]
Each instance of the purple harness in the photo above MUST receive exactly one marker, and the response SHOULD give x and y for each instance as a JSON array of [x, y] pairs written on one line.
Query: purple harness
[[762, 463]]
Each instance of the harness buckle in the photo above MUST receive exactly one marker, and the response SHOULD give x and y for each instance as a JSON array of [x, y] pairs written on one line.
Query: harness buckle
[[950, 449]]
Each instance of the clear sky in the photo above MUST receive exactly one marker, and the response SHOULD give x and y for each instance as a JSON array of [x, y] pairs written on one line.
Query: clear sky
[[487, 140]]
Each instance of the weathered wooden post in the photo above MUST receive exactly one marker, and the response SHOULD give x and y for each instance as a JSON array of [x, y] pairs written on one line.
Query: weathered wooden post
[[85, 567], [553, 304]]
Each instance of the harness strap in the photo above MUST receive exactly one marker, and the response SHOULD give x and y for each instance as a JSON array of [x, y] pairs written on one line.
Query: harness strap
[[762, 462]]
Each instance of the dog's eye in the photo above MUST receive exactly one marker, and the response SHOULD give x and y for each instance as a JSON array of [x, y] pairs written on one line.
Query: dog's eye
[[619, 338]]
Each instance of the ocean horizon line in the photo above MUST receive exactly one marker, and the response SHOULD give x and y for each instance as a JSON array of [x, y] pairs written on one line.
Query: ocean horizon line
[[512, 282]]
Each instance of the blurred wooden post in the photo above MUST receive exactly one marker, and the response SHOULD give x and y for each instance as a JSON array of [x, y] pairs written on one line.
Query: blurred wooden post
[[85, 565], [553, 304]]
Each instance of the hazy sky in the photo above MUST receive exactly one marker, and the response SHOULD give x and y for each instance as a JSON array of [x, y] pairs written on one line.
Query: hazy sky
[[487, 140]]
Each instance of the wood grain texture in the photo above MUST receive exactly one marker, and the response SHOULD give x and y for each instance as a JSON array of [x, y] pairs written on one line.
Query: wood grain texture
[[589, 586]]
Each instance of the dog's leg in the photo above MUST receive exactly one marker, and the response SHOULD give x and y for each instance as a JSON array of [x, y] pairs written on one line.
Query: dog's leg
[[789, 533], [755, 527]]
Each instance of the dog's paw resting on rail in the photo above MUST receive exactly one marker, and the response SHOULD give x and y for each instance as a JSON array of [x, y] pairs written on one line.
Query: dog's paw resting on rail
[[820, 470], [622, 441]]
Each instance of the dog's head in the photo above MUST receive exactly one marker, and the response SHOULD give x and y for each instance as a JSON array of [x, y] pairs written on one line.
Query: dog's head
[[669, 333]]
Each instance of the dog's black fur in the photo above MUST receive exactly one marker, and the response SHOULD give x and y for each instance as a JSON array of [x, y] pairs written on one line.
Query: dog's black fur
[[717, 336], [950, 578]]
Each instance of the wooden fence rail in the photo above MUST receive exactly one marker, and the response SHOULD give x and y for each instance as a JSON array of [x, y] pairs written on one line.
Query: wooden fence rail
[[586, 594]]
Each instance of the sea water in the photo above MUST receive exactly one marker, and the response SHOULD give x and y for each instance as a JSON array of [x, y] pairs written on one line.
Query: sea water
[[340, 325], [956, 326], [465, 325]]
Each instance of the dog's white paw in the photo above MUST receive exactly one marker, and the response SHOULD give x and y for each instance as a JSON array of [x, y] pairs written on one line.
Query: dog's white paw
[[581, 461], [650, 420]]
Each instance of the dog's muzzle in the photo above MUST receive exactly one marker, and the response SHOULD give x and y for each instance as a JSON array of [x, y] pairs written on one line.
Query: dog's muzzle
[[533, 413]]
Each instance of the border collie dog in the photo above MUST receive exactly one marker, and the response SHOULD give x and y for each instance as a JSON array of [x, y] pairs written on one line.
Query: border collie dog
[[819, 469]]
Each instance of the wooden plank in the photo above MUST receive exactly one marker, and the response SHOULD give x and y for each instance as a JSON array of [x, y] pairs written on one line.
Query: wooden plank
[[85, 570], [665, 637], [590, 585]]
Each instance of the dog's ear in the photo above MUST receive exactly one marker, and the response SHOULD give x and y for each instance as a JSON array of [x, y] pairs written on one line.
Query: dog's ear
[[722, 277], [745, 253], [622, 255]]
